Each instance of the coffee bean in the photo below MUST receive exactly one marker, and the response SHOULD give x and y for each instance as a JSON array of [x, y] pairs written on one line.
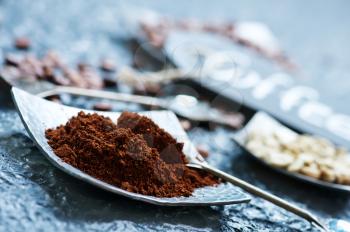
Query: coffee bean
[[55, 98], [58, 80], [83, 67], [203, 151], [153, 89], [93, 80], [52, 59], [186, 124], [22, 43], [107, 65], [12, 60], [234, 120], [110, 81], [75, 78], [102, 106], [47, 72]]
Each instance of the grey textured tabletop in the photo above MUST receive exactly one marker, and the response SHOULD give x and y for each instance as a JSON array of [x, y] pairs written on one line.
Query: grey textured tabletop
[[35, 196]]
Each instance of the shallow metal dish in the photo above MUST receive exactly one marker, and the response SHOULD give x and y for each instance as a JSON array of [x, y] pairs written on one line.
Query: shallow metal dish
[[38, 114], [263, 121]]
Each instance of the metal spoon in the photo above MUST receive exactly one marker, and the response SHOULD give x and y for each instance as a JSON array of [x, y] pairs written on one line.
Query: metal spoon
[[38, 114], [335, 225], [260, 193], [265, 123], [183, 105]]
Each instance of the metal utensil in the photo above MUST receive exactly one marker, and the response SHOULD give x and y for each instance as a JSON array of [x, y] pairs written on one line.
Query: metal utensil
[[339, 225], [260, 193], [183, 105], [335, 225], [263, 122], [38, 114]]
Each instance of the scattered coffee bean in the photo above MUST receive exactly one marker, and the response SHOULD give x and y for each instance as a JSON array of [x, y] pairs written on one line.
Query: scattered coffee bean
[[55, 98], [22, 43], [110, 81], [53, 60], [12, 60], [102, 106], [107, 65], [27, 70], [47, 72], [93, 80], [83, 67], [153, 89], [186, 124], [235, 120], [203, 151], [59, 80], [158, 31], [75, 78]]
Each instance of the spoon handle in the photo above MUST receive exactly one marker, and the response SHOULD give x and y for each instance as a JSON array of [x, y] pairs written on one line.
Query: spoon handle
[[263, 194], [144, 100]]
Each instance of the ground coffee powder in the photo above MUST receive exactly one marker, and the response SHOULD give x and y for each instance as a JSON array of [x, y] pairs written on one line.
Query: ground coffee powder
[[134, 154]]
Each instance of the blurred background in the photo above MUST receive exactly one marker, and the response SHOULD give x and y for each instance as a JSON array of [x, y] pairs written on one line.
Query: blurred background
[[313, 36], [96, 44]]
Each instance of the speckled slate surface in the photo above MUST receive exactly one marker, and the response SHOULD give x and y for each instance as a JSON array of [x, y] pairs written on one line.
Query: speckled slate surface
[[36, 196]]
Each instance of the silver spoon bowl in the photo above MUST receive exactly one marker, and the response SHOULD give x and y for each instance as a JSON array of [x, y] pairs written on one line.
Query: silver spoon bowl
[[265, 123], [38, 115]]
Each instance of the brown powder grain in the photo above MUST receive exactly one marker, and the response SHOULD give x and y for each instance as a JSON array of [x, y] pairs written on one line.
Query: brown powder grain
[[135, 154], [169, 149]]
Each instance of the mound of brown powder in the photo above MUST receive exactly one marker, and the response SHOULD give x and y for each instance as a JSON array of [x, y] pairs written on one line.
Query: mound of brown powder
[[134, 154], [170, 151]]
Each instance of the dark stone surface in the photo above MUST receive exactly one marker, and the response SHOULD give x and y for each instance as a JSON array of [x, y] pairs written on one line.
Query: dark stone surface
[[36, 196]]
